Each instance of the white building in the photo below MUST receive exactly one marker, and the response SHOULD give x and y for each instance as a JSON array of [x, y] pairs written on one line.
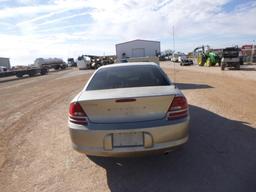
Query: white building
[[137, 48], [5, 62]]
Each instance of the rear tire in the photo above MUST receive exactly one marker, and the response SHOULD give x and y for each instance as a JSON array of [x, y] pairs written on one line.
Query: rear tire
[[19, 75], [238, 66], [62, 67], [57, 67], [44, 71], [241, 61], [97, 66], [223, 66]]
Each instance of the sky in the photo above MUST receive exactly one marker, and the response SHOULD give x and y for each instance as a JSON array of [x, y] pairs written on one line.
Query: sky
[[68, 28]]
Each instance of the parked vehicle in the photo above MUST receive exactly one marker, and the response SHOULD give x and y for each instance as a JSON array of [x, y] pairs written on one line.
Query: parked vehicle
[[162, 58], [128, 109], [231, 58], [83, 62], [186, 62], [165, 55], [181, 57], [51, 63], [205, 56], [106, 60], [175, 58], [3, 69], [71, 62], [94, 62], [183, 60], [21, 71]]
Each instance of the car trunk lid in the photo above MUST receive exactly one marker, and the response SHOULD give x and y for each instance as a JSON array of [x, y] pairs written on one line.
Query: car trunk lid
[[127, 104]]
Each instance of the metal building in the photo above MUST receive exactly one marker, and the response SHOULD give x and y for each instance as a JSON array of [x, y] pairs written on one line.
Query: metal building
[[5, 62], [137, 48]]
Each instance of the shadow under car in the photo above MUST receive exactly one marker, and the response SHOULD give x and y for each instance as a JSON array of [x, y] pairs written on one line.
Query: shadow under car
[[219, 156]]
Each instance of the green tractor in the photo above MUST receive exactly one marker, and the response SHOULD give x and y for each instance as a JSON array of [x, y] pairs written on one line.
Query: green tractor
[[206, 58]]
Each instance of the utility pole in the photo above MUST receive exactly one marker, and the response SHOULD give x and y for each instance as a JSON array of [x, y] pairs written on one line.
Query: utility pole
[[252, 53], [173, 40]]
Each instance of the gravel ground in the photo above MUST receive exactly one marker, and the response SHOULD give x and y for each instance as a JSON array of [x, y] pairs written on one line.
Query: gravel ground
[[36, 153]]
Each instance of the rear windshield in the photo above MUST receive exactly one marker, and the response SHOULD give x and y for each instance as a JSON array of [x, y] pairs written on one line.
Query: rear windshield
[[231, 52], [128, 76]]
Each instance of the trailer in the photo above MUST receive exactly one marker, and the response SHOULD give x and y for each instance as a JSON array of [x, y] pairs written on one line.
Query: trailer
[[50, 63], [25, 71], [93, 61], [84, 62]]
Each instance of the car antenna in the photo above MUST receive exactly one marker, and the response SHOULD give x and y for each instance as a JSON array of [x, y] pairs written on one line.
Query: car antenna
[[174, 71]]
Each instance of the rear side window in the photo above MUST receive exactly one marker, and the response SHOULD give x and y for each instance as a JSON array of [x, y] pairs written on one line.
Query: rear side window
[[128, 76]]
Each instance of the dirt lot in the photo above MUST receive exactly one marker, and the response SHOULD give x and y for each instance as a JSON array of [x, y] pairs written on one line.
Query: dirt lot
[[36, 153]]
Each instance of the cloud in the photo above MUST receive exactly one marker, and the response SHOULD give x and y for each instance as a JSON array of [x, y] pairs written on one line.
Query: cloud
[[62, 18], [26, 11], [25, 1], [34, 9], [42, 17]]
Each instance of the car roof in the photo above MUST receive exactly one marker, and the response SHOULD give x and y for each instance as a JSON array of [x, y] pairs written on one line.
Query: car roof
[[130, 64]]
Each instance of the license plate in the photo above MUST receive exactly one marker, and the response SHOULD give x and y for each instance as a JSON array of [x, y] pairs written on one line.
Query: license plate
[[127, 139]]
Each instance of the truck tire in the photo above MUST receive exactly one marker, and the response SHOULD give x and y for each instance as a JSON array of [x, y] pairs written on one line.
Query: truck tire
[[223, 66], [43, 71], [62, 67], [241, 61], [97, 66], [19, 75], [56, 67], [238, 66], [32, 73]]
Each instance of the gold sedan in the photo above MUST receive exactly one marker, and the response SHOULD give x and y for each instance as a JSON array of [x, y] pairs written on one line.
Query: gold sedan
[[128, 109]]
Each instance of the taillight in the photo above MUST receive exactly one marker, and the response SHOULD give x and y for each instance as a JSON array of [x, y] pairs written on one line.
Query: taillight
[[178, 109], [77, 114]]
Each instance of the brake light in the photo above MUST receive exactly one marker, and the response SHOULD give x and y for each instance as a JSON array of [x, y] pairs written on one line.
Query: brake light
[[178, 109], [77, 114]]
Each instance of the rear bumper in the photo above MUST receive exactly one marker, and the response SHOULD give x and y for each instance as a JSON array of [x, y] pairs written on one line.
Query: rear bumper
[[158, 136], [231, 64]]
